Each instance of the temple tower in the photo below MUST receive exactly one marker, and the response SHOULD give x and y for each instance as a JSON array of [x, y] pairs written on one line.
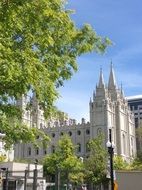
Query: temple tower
[[109, 109]]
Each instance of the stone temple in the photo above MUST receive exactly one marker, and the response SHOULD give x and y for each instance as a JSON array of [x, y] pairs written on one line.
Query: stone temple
[[108, 109]]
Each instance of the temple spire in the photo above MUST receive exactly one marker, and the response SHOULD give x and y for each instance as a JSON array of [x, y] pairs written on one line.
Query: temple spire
[[112, 82], [90, 100], [122, 92], [94, 95], [101, 80]]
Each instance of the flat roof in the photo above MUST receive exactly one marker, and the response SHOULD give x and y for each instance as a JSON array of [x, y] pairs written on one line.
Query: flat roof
[[136, 97]]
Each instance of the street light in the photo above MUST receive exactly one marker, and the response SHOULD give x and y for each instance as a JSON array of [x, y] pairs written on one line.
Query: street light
[[57, 177], [35, 175], [110, 146], [36, 163]]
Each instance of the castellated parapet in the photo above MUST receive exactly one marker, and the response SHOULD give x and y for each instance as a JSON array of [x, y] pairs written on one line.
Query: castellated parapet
[[108, 108]]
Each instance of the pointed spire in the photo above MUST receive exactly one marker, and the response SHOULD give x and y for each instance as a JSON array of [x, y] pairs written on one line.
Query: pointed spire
[[121, 87], [90, 100], [101, 79], [122, 92], [34, 99], [112, 82], [94, 95]]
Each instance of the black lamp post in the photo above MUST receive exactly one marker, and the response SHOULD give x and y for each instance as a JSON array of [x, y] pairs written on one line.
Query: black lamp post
[[110, 147], [35, 175], [57, 178]]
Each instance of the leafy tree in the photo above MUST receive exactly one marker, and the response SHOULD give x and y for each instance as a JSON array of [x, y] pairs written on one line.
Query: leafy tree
[[120, 164], [64, 160], [17, 132], [96, 164], [39, 44], [60, 115]]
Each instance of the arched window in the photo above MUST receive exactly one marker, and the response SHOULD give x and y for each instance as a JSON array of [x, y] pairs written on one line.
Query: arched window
[[87, 131], [70, 133], [124, 144], [79, 132], [53, 135], [87, 147], [37, 151], [29, 151], [52, 149], [132, 150], [37, 137], [99, 131], [44, 151], [78, 147], [61, 134], [131, 141]]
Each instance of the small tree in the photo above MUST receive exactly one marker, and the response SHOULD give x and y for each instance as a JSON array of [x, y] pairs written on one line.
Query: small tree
[[65, 161], [96, 164]]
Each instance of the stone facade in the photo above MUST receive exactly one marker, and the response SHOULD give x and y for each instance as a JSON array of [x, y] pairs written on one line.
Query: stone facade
[[135, 103], [108, 108]]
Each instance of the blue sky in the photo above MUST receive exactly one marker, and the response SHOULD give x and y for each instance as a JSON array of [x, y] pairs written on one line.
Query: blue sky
[[121, 22]]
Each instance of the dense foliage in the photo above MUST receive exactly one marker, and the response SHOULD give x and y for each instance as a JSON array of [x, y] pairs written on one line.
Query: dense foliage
[[65, 161], [120, 164], [39, 44], [136, 164], [17, 132], [96, 164]]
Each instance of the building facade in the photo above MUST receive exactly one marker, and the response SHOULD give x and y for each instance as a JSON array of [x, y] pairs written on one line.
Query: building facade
[[108, 109], [135, 103]]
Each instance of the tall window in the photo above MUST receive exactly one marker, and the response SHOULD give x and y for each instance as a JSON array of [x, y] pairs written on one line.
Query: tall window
[[37, 151], [78, 147], [52, 149], [124, 144], [37, 136], [87, 131], [44, 151], [99, 131], [70, 133], [79, 132], [61, 134], [132, 146], [29, 151], [53, 135], [87, 147]]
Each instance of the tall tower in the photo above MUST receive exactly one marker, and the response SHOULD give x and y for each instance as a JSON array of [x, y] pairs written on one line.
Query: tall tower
[[98, 114], [22, 103], [109, 109], [37, 113]]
